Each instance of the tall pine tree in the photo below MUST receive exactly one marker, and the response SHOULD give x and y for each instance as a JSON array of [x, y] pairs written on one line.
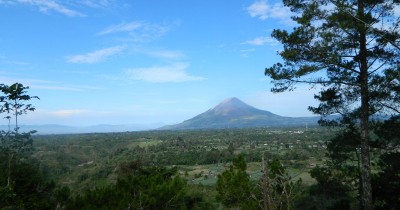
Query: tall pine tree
[[349, 49]]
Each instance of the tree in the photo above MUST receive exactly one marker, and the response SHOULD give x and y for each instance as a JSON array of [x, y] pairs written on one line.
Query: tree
[[348, 48], [278, 190], [330, 192], [275, 189], [29, 189], [143, 188], [13, 103], [386, 182], [235, 188]]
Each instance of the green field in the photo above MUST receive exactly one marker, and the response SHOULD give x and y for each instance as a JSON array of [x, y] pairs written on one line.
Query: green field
[[83, 161]]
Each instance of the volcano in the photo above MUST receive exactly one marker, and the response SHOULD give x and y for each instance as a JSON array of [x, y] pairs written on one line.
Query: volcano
[[234, 113]]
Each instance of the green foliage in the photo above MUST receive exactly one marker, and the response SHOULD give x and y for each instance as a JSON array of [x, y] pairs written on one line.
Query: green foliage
[[21, 183], [331, 192], [348, 49], [70, 158], [28, 189], [386, 183], [13, 142], [279, 190], [339, 180], [388, 133], [235, 188], [144, 188], [13, 100]]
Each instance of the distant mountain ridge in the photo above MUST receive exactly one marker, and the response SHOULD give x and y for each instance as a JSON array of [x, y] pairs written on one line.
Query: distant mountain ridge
[[103, 128], [230, 113], [234, 113]]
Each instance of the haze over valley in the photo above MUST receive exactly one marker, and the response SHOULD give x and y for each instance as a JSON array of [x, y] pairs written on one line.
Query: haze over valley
[[229, 113]]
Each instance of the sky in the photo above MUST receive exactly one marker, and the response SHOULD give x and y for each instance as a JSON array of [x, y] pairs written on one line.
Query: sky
[[143, 61]]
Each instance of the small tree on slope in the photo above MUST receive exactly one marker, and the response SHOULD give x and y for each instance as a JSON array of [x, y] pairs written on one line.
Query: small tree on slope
[[13, 104]]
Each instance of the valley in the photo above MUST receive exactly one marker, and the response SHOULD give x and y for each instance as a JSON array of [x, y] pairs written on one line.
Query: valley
[[82, 161]]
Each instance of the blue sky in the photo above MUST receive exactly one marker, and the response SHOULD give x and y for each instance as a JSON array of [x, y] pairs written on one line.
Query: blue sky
[[142, 61]]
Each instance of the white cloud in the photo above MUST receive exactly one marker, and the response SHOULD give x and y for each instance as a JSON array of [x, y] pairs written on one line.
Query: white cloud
[[162, 74], [63, 7], [123, 27], [38, 84], [96, 3], [259, 41], [138, 31], [245, 53], [96, 56], [259, 9], [68, 112], [280, 11], [167, 54], [46, 5], [262, 10], [248, 50], [61, 87]]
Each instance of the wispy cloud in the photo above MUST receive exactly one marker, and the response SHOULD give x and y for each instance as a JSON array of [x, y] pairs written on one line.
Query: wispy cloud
[[245, 53], [45, 84], [96, 56], [122, 27], [5, 60], [62, 87], [259, 9], [138, 31], [262, 10], [259, 41], [96, 3], [68, 112], [45, 6], [26, 81], [162, 74], [166, 54]]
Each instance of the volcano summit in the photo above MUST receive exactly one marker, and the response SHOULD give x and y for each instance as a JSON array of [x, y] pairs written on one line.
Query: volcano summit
[[234, 113]]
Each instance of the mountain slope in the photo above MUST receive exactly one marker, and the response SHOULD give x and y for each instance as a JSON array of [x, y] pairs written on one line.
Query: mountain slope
[[233, 113]]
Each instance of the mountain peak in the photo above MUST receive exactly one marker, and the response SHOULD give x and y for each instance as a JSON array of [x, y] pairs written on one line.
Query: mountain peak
[[232, 107], [234, 113], [231, 102]]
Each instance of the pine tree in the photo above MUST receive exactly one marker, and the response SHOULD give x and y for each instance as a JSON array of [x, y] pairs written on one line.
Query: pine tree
[[349, 49]]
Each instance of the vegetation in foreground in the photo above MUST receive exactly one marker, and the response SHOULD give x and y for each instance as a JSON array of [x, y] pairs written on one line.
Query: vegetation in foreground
[[348, 48], [199, 169], [256, 168]]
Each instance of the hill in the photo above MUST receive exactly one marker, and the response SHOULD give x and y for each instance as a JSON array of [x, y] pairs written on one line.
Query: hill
[[234, 113]]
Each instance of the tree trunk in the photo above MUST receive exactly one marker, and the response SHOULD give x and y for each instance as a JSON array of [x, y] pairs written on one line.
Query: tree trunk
[[10, 157], [265, 185], [365, 170]]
